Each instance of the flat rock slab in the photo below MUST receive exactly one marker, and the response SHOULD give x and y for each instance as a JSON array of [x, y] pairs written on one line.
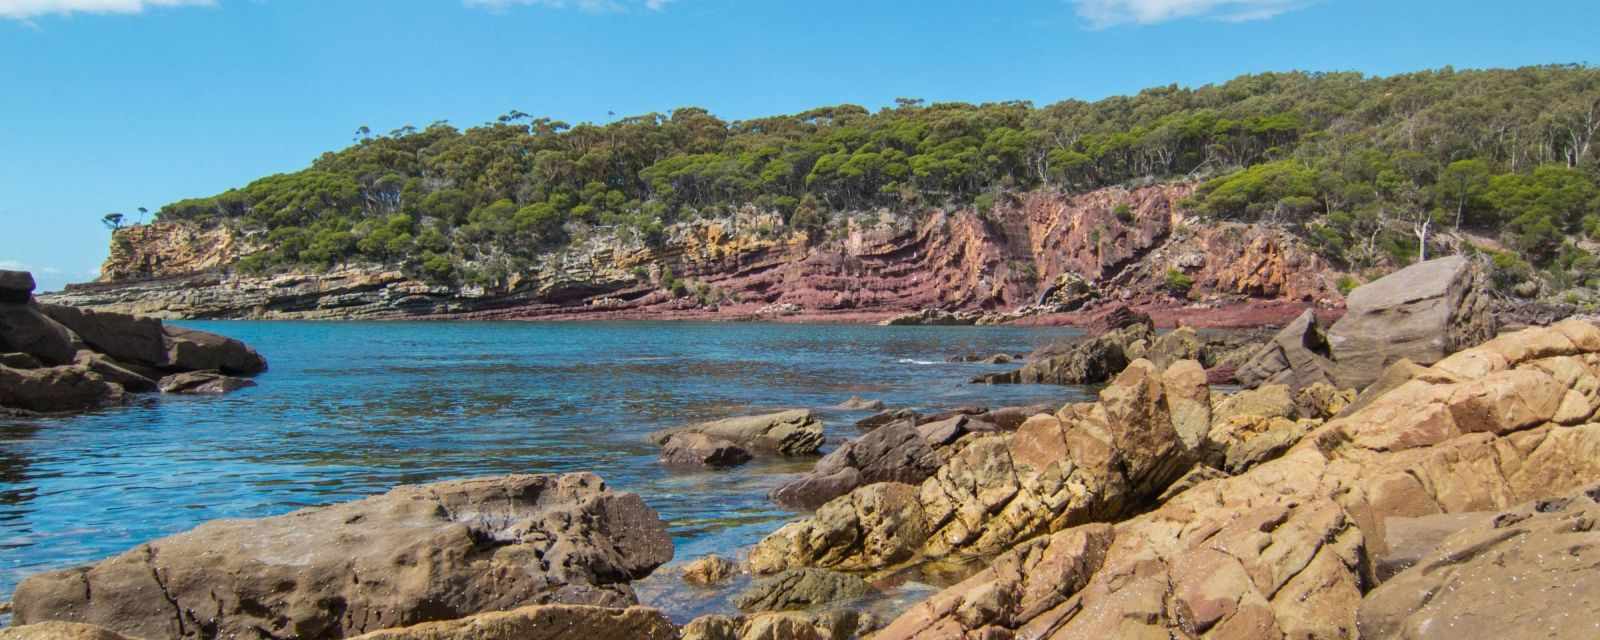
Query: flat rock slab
[[416, 554], [801, 589], [203, 383], [795, 432]]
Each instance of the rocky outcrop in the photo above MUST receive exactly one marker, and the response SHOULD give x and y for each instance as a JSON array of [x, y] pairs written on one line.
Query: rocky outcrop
[[416, 554], [1532, 572], [1090, 461], [801, 589], [1038, 252], [893, 453], [1421, 313], [795, 432], [701, 450], [1089, 361], [543, 622], [1298, 356], [56, 359], [1285, 549]]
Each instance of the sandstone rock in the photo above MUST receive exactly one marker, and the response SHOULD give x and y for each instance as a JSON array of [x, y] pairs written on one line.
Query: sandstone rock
[[1298, 356], [790, 433], [416, 554], [1286, 549], [24, 329], [781, 626], [1322, 401], [701, 450], [1407, 541], [203, 383], [1423, 313], [198, 350], [1271, 401], [1533, 572], [542, 622], [1010, 418], [1095, 461], [60, 631], [885, 417], [56, 389], [115, 372], [709, 570], [877, 525], [16, 287], [711, 627], [894, 453], [1239, 442], [801, 589]]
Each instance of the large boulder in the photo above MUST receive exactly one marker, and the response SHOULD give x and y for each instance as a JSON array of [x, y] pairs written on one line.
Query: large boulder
[[1286, 549], [894, 453], [795, 432], [415, 554], [16, 287], [149, 342], [24, 329], [543, 622], [1532, 572], [1423, 313], [1298, 356], [56, 389]]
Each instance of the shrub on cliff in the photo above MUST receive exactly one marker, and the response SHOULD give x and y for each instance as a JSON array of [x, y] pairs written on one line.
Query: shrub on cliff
[[1330, 155]]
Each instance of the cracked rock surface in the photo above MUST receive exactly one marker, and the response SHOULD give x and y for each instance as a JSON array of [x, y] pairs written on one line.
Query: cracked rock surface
[[415, 554], [1286, 549]]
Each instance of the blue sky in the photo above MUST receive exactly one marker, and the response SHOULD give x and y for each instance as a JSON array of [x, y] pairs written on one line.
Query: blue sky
[[109, 105]]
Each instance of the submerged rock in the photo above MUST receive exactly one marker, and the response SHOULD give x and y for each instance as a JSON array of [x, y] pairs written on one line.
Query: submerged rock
[[857, 403], [56, 389], [416, 554], [709, 570], [789, 433], [203, 383]]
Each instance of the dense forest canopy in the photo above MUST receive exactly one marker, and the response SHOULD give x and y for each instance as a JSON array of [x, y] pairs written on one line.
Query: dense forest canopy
[[1365, 167]]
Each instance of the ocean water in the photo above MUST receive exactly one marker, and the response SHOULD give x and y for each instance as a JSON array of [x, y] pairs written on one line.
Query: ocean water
[[352, 409]]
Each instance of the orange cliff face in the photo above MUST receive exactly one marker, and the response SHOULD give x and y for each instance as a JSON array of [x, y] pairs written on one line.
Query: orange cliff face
[[1121, 245]]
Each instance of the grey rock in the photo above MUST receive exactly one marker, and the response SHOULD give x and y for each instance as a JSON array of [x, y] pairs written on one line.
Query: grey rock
[[203, 383], [701, 450], [1423, 313], [798, 589]]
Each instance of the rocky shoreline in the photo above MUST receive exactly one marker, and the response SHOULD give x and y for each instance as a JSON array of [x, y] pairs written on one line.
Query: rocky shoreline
[[1408, 470]]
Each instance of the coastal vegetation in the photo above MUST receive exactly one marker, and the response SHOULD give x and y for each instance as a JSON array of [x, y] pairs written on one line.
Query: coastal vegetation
[[1375, 171]]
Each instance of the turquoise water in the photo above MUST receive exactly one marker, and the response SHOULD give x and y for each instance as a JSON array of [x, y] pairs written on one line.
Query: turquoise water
[[352, 409]]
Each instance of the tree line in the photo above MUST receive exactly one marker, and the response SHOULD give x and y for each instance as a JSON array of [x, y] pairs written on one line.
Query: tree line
[[1371, 169]]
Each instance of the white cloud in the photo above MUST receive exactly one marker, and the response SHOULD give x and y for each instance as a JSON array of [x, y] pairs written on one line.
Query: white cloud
[[593, 6], [26, 9], [18, 265], [1109, 13]]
